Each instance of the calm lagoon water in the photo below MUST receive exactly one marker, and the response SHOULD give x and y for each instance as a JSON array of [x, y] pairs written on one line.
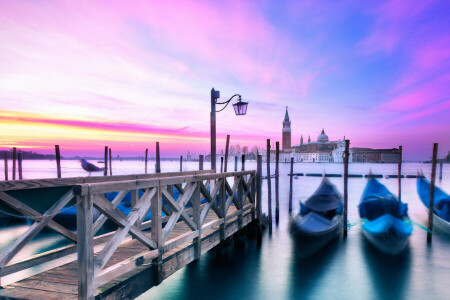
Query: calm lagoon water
[[346, 269]]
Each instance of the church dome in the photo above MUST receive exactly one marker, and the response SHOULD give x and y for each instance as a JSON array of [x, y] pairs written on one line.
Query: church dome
[[322, 138]]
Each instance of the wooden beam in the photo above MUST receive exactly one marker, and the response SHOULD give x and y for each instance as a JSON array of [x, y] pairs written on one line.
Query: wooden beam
[[431, 203], [19, 161], [118, 217], [269, 186], [290, 185], [277, 182], [146, 160], [226, 152], [258, 187], [6, 166], [85, 248], [29, 212], [121, 232], [110, 162], [346, 158], [158, 159], [196, 217], [105, 170], [14, 163], [58, 161], [400, 150], [18, 244]]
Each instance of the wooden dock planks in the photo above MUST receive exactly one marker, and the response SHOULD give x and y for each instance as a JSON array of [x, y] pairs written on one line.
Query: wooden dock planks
[[62, 282]]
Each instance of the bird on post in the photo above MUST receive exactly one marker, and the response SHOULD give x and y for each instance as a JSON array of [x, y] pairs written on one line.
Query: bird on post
[[90, 167]]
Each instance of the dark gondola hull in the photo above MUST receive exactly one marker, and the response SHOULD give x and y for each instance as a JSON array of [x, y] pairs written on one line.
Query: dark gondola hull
[[308, 242]]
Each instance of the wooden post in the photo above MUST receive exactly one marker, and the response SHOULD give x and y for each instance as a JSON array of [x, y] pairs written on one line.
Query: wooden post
[[400, 150], [85, 247], [6, 166], [110, 163], [105, 171], [235, 163], [146, 159], [200, 162], [14, 163], [243, 162], [441, 163], [58, 161], [258, 187], [269, 187], [226, 153], [221, 164], [346, 157], [290, 185], [156, 229], [431, 204], [19, 161], [277, 182], [158, 159], [196, 210], [222, 203], [181, 163]]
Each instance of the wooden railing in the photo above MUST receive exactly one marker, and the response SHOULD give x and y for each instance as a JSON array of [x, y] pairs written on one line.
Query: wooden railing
[[199, 196], [38, 190]]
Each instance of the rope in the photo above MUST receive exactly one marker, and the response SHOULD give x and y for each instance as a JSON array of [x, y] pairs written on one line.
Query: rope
[[409, 221], [36, 219]]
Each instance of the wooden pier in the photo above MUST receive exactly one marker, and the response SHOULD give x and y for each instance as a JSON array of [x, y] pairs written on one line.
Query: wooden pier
[[139, 254]]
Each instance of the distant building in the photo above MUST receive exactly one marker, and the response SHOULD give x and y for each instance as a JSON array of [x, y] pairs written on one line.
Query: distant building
[[374, 155], [319, 151]]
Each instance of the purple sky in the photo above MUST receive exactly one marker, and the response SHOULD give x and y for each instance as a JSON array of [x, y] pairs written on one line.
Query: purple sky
[[85, 74]]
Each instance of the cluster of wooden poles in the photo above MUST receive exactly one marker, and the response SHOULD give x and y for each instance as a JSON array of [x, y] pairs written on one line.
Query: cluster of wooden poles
[[345, 196], [223, 168]]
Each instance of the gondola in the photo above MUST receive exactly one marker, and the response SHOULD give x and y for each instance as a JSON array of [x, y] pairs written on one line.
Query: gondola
[[319, 220], [441, 212], [384, 218]]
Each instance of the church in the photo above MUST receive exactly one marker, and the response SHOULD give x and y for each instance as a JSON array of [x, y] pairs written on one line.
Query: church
[[321, 150]]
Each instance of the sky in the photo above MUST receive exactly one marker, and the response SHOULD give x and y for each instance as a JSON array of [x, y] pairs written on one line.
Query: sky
[[85, 74]]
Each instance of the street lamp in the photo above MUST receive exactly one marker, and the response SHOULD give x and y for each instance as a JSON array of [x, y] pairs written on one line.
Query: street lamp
[[240, 108]]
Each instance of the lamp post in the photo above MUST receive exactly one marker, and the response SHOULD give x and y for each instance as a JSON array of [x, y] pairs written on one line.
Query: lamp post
[[240, 108]]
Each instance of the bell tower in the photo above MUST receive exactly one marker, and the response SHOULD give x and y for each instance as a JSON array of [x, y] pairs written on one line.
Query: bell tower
[[286, 132]]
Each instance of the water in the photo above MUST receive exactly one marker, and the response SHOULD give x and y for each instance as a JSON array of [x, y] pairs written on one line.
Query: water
[[346, 269]]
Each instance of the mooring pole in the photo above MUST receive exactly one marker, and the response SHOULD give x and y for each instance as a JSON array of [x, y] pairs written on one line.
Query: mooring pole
[[269, 188], [226, 152], [105, 171], [181, 163], [290, 185], [258, 187], [58, 161], [431, 204], [345, 212], [235, 163], [277, 182], [110, 163], [146, 159], [200, 162], [221, 164], [243, 163], [441, 163], [19, 161], [6, 166], [14, 163], [400, 150], [158, 159]]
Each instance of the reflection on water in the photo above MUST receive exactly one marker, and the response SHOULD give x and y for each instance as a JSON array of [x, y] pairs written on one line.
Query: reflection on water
[[346, 269], [390, 275]]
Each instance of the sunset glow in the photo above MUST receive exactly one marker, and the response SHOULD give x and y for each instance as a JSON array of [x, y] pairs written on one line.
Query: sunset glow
[[85, 74]]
